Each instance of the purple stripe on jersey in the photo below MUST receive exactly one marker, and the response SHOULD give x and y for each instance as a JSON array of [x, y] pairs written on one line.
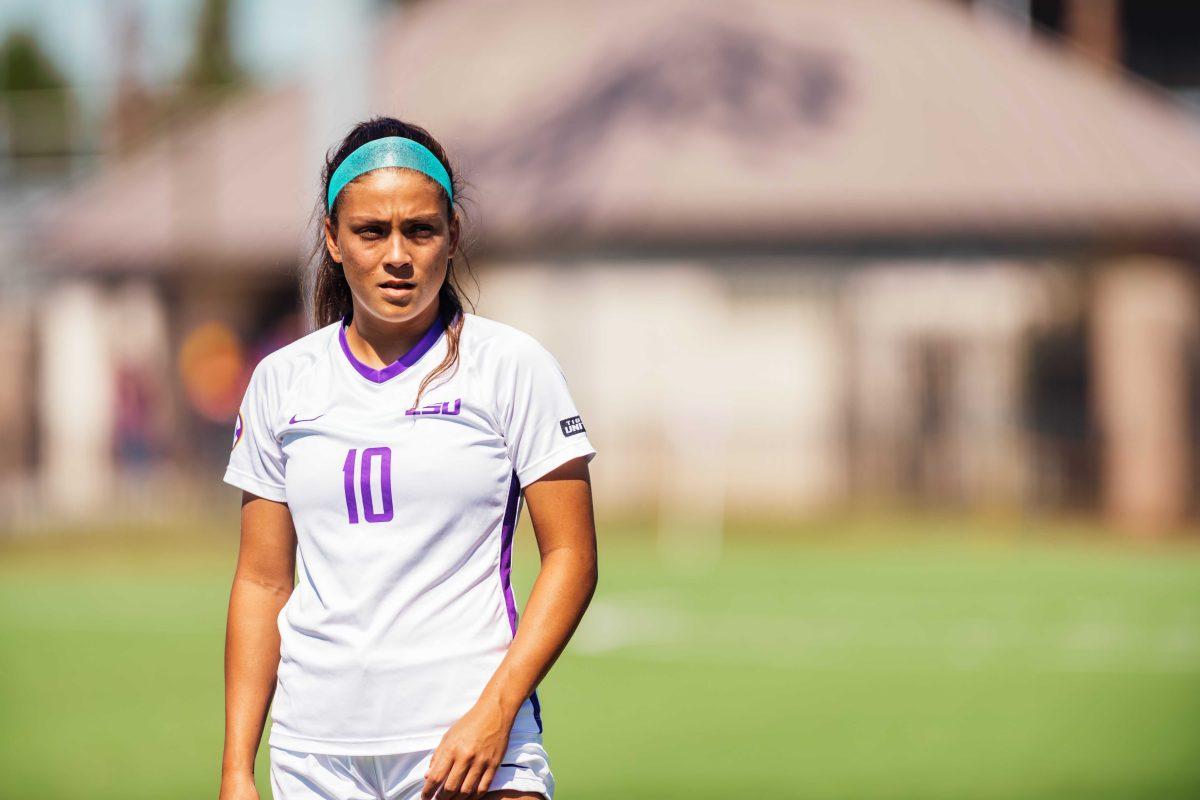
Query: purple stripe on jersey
[[399, 365], [506, 539], [507, 529], [537, 711]]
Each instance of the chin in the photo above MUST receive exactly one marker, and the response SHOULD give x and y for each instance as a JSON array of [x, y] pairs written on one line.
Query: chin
[[398, 309]]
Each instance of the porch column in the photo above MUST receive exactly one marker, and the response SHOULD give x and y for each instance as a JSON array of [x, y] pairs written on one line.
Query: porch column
[[75, 388], [1143, 308]]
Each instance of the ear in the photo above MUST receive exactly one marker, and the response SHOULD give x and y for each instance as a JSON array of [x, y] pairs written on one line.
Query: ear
[[331, 241], [455, 230]]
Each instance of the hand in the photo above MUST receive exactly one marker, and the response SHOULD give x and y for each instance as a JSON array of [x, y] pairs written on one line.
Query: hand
[[238, 786], [465, 761]]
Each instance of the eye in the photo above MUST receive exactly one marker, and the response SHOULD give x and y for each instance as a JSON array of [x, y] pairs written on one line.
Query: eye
[[370, 231], [422, 230]]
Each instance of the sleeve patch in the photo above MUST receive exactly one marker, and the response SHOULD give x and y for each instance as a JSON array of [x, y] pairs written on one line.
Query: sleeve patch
[[571, 426]]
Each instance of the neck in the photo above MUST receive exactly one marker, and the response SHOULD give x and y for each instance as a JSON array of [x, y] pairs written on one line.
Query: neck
[[377, 343]]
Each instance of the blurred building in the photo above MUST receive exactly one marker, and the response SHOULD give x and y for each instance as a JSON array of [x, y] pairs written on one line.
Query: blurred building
[[792, 256], [1154, 39]]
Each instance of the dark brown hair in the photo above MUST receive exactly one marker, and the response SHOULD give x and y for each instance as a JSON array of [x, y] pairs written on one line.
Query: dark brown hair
[[330, 294]]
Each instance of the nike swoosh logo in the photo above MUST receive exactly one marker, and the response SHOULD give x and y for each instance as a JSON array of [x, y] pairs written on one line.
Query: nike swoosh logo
[[293, 420]]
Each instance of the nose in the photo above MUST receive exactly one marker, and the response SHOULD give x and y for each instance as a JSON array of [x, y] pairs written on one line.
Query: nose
[[397, 250]]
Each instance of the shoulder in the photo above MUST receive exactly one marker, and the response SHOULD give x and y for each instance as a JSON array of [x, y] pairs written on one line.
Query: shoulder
[[281, 367], [490, 340]]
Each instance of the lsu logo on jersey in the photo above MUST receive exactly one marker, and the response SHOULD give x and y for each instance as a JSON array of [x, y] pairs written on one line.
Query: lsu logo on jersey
[[571, 426], [238, 428], [436, 408]]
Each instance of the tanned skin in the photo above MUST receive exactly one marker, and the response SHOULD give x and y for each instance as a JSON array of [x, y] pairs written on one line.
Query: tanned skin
[[393, 238]]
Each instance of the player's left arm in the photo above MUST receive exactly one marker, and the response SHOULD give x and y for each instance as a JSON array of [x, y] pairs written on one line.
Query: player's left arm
[[560, 506]]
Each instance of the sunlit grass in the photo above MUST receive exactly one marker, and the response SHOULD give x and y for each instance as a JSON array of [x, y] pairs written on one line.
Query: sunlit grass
[[873, 658]]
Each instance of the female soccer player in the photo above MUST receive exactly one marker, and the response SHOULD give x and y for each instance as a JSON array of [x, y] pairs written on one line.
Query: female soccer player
[[384, 459]]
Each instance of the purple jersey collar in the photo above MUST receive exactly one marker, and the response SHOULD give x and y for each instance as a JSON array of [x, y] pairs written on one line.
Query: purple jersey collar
[[399, 365]]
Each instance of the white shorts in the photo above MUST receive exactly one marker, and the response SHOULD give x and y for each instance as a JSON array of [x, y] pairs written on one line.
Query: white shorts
[[401, 776]]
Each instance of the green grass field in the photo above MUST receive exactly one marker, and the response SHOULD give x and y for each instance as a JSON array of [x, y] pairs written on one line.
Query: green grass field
[[851, 660]]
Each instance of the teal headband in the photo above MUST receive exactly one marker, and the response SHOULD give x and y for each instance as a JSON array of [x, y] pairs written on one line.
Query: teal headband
[[390, 151]]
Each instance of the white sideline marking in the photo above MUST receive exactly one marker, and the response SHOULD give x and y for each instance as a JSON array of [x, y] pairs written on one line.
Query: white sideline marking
[[661, 631]]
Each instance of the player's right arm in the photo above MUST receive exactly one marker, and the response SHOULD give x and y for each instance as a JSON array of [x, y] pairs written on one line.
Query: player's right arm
[[262, 584]]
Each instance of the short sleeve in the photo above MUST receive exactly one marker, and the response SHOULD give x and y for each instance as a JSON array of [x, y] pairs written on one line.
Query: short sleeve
[[543, 428], [256, 461]]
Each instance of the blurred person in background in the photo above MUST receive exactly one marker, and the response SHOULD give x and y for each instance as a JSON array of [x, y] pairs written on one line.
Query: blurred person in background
[[384, 459]]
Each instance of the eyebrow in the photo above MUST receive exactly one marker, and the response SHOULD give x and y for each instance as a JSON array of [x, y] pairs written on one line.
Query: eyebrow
[[362, 220]]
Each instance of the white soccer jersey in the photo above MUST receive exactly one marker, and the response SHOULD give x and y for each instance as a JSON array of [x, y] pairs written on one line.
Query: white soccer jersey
[[404, 521]]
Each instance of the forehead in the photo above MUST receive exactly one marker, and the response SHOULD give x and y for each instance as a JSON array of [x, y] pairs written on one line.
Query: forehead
[[392, 190]]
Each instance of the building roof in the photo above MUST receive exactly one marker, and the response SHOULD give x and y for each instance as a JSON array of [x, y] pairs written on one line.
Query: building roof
[[632, 124]]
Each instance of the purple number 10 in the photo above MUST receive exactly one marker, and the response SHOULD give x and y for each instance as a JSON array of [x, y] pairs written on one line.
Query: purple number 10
[[364, 484]]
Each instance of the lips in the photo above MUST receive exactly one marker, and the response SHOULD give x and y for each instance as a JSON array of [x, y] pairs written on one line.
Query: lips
[[398, 285]]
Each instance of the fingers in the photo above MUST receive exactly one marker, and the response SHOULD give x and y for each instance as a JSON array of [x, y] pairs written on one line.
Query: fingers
[[452, 788], [472, 779], [438, 769], [458, 777], [485, 780]]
